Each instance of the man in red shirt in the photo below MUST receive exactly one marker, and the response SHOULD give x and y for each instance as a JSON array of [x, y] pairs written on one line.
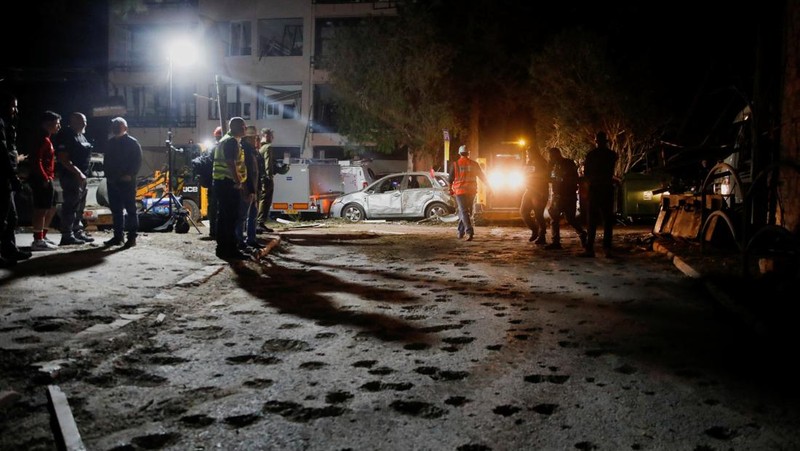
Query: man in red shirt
[[43, 172]]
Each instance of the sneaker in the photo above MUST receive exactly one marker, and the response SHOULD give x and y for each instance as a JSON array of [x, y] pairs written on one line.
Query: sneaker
[[534, 236], [42, 245], [235, 255], [469, 237], [47, 240], [460, 235], [116, 241], [130, 242], [69, 240], [540, 241], [553, 245], [83, 236]]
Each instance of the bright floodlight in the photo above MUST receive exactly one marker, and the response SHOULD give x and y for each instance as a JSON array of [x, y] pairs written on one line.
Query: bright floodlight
[[182, 52], [521, 142]]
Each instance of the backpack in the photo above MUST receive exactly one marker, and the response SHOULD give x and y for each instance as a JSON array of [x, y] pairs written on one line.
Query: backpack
[[203, 167]]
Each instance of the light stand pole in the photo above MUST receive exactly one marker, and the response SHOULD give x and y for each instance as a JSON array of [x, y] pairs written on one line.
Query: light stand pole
[[178, 209]]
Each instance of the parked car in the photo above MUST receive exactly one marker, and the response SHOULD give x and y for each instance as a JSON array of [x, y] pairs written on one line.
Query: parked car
[[96, 214], [400, 195]]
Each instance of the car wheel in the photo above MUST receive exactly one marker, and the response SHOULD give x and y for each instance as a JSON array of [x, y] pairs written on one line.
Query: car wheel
[[191, 207], [436, 209], [353, 212]]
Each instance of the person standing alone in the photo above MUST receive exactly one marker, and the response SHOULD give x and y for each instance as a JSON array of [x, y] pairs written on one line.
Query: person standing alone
[[74, 154], [598, 170], [123, 159], [464, 175]]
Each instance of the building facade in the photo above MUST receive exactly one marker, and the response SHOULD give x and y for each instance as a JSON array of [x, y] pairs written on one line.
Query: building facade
[[254, 59]]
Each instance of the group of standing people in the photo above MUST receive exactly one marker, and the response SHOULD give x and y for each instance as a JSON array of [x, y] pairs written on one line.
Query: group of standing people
[[553, 181], [242, 187], [64, 153]]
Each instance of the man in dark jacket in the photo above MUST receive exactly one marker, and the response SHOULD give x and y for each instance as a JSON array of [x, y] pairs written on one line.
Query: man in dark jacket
[[74, 153], [564, 180], [534, 199], [123, 158], [9, 181], [598, 169]]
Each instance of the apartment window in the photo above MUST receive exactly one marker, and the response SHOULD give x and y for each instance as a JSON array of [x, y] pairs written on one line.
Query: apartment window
[[280, 37], [326, 30], [213, 109], [239, 37], [232, 101], [324, 114], [279, 101]]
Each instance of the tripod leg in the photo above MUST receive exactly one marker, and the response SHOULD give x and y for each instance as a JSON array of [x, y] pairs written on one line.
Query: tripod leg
[[179, 207]]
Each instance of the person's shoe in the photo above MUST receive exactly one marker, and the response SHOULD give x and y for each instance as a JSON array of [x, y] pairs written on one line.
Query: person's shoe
[[130, 242], [83, 236], [16, 255], [469, 237], [541, 241], [42, 245], [460, 235], [49, 241], [69, 240], [534, 236], [7, 263], [553, 245], [235, 255], [582, 237], [587, 254], [116, 241], [255, 245]]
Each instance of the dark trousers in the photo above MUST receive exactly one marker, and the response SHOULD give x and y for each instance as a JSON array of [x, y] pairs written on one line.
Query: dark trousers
[[265, 200], [534, 202], [72, 205], [212, 212], [229, 201], [564, 205], [122, 202], [601, 209], [465, 203], [8, 220]]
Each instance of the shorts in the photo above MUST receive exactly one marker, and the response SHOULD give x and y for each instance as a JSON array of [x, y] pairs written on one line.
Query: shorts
[[44, 196]]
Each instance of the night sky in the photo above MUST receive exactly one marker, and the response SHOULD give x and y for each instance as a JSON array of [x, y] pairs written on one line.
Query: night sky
[[696, 51]]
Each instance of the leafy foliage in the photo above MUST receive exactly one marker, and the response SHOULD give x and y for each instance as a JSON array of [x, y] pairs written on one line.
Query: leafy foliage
[[580, 90], [388, 78]]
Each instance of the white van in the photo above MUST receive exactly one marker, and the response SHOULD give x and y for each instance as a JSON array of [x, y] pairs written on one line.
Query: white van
[[355, 176]]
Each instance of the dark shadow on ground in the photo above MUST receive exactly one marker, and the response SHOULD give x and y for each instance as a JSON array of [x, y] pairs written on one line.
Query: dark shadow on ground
[[58, 263]]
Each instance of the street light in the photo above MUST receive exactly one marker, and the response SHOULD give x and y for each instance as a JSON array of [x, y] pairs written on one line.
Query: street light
[[180, 52]]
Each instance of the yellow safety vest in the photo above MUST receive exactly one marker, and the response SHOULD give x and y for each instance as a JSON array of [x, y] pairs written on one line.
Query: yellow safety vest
[[221, 166]]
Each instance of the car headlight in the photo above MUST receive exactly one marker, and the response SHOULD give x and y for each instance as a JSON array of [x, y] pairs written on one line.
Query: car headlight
[[507, 179]]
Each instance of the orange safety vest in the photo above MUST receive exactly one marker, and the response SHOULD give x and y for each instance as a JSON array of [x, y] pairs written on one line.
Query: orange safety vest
[[465, 176]]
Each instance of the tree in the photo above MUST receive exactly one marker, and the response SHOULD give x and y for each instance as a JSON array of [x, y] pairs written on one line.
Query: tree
[[579, 90], [389, 81]]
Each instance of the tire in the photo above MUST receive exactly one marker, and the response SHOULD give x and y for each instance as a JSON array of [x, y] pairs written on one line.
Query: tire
[[192, 208], [436, 209], [353, 213]]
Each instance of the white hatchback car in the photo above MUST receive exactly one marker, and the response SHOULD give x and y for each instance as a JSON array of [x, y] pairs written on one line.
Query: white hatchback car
[[400, 195]]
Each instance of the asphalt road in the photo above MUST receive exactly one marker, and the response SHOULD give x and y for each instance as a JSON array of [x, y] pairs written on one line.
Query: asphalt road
[[383, 336]]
